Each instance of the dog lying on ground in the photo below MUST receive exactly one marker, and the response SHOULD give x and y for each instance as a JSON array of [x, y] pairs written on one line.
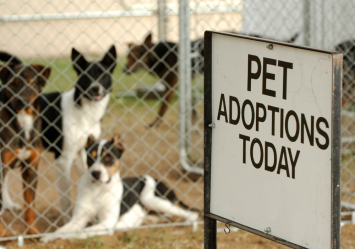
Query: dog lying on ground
[[348, 50], [161, 60], [20, 129], [69, 118], [118, 203]]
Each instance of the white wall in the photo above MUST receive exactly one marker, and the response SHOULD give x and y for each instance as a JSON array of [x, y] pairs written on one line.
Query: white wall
[[329, 21]]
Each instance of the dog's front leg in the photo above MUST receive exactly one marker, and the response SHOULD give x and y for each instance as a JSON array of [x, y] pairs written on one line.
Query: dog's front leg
[[102, 228], [63, 166], [6, 199], [80, 162], [108, 217], [29, 175], [170, 82], [3, 171], [69, 230]]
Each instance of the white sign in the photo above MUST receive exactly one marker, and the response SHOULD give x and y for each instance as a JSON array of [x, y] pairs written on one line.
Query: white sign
[[271, 159]]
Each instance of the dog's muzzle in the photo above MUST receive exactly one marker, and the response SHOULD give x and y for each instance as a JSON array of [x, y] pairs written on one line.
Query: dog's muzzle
[[20, 104], [96, 175], [95, 93]]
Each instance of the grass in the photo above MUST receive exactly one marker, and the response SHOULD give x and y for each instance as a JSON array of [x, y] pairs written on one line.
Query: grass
[[129, 239], [63, 76]]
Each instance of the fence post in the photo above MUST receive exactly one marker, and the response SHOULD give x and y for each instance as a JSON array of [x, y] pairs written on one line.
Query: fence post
[[307, 22], [162, 20], [184, 72], [185, 84]]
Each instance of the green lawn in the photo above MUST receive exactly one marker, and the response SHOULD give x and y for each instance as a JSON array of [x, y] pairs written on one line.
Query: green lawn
[[63, 76]]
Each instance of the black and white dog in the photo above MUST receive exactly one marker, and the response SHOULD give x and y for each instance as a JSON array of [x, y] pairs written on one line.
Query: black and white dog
[[118, 203], [69, 118]]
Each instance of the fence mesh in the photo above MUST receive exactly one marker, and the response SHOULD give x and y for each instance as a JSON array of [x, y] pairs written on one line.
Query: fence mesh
[[44, 33]]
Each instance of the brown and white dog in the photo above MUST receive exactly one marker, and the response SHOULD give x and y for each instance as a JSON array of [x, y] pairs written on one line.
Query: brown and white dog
[[118, 203], [20, 128]]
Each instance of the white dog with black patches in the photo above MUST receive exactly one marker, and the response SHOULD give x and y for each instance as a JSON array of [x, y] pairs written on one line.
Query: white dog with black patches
[[118, 203], [69, 118]]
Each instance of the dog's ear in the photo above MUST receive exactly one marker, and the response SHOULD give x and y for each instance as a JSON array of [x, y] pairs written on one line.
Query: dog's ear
[[148, 41], [109, 59], [4, 72], [117, 142], [89, 142], [43, 74], [79, 62]]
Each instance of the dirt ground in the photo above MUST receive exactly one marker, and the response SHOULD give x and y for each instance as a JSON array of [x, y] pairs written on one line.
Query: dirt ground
[[173, 238]]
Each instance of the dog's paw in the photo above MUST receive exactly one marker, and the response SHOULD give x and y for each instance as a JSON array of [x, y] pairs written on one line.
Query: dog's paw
[[32, 231], [44, 240], [193, 217], [13, 206], [47, 238]]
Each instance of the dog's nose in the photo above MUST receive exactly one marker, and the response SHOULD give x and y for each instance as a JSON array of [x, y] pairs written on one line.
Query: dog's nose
[[96, 174], [95, 89], [19, 101]]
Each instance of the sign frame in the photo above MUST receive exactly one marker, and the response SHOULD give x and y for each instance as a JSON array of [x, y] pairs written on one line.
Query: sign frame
[[210, 219]]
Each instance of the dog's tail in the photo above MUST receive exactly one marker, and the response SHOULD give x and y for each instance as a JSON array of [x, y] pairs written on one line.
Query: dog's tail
[[163, 191], [5, 57], [189, 208]]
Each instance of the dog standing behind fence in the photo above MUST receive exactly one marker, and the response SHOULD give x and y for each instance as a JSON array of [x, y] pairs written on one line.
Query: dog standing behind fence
[[20, 128], [118, 203], [69, 118], [161, 60]]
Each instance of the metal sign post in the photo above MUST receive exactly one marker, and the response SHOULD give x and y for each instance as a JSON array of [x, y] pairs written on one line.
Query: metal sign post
[[272, 140]]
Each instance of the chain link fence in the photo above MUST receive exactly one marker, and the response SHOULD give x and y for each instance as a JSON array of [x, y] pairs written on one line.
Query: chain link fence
[[170, 149]]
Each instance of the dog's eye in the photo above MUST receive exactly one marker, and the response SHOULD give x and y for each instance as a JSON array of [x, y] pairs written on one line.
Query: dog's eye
[[14, 83], [90, 160], [108, 159]]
